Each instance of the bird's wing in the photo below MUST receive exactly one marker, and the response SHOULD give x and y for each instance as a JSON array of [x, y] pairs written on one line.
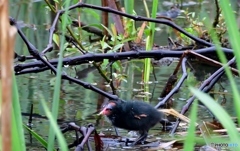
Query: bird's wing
[[137, 114]]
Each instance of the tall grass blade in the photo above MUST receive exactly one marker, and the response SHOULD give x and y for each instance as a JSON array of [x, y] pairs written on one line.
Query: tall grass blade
[[61, 140], [17, 128], [38, 137], [234, 37], [233, 34], [220, 114], [129, 5], [56, 95], [149, 45], [190, 139]]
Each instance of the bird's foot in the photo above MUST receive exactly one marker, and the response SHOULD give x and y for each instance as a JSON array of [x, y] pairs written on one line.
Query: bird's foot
[[140, 142]]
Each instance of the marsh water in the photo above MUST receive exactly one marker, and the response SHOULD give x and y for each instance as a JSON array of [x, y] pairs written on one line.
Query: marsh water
[[81, 105]]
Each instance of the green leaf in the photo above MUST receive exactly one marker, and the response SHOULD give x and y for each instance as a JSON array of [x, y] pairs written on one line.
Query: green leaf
[[117, 65], [53, 129], [93, 13], [105, 63], [18, 139], [67, 20], [147, 31], [104, 44], [94, 25], [56, 39], [61, 140], [117, 47], [38, 137], [79, 114], [109, 31], [234, 35], [127, 39], [190, 139]]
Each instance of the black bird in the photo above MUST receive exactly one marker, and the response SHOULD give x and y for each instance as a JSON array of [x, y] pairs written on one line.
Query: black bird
[[134, 116]]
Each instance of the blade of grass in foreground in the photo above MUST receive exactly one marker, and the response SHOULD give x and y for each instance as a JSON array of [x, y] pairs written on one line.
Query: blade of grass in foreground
[[234, 37], [190, 139], [233, 34], [56, 95], [61, 141], [17, 128], [220, 114], [38, 137]]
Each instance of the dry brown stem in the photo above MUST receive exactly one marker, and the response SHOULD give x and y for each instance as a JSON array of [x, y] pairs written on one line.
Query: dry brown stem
[[6, 67]]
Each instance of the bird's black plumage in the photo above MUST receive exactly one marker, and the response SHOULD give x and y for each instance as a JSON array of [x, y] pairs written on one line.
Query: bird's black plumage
[[133, 115]]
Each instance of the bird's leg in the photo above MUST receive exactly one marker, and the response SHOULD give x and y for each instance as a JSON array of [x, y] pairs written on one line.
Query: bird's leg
[[166, 124], [116, 131], [142, 138]]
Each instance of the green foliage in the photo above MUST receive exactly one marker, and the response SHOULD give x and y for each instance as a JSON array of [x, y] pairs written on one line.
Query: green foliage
[[191, 79], [129, 24], [54, 130], [195, 27], [18, 139], [37, 137], [129, 5], [93, 13], [190, 139], [234, 36], [67, 20], [56, 39], [130, 28], [116, 41], [149, 45], [212, 105], [220, 114]]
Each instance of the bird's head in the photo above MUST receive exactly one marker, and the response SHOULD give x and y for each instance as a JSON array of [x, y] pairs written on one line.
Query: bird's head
[[107, 110]]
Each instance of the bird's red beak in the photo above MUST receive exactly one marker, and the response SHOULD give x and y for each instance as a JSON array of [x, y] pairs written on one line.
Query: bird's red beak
[[103, 112], [107, 109]]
